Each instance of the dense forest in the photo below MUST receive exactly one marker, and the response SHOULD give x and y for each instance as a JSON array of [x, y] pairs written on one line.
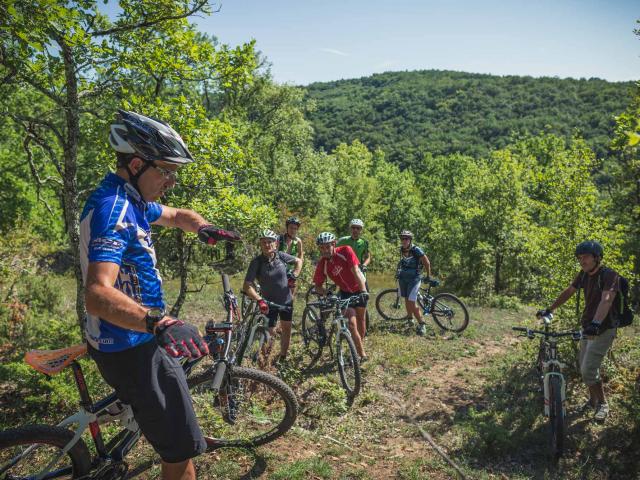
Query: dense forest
[[499, 177], [411, 114]]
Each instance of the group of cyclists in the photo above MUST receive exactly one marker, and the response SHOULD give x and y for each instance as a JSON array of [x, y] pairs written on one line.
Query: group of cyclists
[[135, 343]]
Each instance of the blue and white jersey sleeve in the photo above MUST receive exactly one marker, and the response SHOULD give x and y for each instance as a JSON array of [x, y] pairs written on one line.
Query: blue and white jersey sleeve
[[153, 212], [109, 232]]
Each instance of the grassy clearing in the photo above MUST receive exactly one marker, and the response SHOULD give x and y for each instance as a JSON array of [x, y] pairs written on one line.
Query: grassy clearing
[[475, 394]]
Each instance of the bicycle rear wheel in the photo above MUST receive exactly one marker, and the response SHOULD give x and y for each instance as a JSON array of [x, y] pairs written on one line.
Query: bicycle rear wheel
[[251, 409], [556, 416], [314, 337], [390, 305], [28, 451], [449, 312], [348, 365]]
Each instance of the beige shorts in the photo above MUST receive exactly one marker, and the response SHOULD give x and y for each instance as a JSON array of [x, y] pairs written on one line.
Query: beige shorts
[[592, 352]]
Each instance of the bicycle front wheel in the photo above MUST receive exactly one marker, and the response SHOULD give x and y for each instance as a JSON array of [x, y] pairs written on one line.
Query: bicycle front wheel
[[33, 450], [556, 416], [449, 312], [246, 305], [390, 305], [256, 353], [314, 337], [251, 409], [348, 365]]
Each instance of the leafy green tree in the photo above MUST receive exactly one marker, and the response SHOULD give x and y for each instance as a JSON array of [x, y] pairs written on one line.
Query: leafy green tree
[[67, 57]]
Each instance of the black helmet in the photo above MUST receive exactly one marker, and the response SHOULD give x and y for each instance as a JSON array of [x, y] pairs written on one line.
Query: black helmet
[[149, 138], [292, 221], [590, 246]]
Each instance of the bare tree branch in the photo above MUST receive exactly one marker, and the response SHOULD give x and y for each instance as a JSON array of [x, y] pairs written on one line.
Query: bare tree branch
[[149, 23], [34, 172], [26, 120]]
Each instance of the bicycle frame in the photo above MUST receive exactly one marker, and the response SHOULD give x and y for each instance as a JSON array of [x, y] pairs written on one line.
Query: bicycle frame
[[551, 365]]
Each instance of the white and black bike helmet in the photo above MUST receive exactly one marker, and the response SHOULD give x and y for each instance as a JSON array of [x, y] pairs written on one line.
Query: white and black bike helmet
[[356, 222], [148, 138], [405, 233], [325, 237], [268, 234]]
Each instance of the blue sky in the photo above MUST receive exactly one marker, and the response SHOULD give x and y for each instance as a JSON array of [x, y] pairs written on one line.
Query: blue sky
[[309, 41]]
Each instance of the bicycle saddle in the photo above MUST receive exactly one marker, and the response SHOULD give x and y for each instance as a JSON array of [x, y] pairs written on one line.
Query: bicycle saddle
[[51, 362]]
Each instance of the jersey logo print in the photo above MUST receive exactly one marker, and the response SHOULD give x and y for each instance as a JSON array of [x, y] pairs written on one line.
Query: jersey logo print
[[336, 270], [128, 282]]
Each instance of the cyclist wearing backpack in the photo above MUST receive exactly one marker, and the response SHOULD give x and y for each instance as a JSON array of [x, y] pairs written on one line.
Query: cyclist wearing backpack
[[412, 261], [600, 285], [129, 336], [276, 284], [340, 264]]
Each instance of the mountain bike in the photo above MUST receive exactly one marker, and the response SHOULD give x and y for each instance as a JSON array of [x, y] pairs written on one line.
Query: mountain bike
[[315, 338], [253, 338], [447, 310], [549, 369], [235, 407]]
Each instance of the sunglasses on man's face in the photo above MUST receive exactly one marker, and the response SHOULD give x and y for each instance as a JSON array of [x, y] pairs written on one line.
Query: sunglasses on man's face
[[166, 173]]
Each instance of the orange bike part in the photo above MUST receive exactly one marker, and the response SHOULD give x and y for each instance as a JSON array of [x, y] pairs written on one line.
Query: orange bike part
[[51, 362]]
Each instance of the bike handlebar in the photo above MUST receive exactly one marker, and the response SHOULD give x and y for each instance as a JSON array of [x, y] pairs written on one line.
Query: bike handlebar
[[333, 300], [277, 306], [531, 333]]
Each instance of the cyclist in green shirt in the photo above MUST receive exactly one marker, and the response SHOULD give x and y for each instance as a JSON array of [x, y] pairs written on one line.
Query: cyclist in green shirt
[[361, 248], [290, 243], [359, 245]]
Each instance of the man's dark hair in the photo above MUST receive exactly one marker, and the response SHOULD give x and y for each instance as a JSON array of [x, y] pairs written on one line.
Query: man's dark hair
[[123, 159]]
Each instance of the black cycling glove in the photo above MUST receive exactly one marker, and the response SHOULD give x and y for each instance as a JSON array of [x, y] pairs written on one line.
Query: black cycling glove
[[210, 235], [180, 339], [592, 330], [543, 313]]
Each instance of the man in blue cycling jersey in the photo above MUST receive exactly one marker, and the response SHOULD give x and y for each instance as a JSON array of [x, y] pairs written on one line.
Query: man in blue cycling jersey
[[132, 340]]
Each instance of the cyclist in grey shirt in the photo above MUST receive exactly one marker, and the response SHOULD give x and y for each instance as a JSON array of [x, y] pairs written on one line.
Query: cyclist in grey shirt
[[270, 270]]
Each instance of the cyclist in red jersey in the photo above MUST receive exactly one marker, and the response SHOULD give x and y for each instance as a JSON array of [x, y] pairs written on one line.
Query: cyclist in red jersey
[[341, 265]]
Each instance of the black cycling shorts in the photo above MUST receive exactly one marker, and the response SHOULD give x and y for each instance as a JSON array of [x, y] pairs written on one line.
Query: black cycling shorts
[[155, 386], [285, 316], [362, 302]]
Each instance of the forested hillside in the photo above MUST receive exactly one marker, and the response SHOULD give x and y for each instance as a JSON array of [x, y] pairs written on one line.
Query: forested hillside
[[410, 114]]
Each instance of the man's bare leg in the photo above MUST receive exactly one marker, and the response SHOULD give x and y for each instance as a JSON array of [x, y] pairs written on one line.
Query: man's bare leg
[[178, 471]]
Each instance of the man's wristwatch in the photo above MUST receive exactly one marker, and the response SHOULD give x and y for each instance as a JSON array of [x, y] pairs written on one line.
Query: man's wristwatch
[[153, 316]]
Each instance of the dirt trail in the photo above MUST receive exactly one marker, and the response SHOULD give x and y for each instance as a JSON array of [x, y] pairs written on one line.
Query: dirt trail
[[432, 392]]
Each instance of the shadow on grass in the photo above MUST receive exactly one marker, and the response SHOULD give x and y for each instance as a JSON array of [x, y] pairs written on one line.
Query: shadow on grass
[[505, 432], [255, 469]]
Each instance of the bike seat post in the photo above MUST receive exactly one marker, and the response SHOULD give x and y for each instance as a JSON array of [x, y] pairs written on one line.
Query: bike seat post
[[87, 404], [85, 398]]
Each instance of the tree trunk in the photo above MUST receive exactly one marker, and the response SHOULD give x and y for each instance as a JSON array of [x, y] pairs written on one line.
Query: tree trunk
[[183, 258], [496, 273], [69, 178]]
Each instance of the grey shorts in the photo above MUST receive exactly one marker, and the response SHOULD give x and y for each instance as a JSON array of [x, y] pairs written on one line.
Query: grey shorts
[[155, 386], [409, 288], [592, 352]]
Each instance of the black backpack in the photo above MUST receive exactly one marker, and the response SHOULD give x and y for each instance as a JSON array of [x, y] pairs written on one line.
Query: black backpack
[[621, 312]]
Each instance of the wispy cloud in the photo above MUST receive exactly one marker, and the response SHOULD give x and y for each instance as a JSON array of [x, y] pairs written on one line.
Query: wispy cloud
[[334, 51]]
